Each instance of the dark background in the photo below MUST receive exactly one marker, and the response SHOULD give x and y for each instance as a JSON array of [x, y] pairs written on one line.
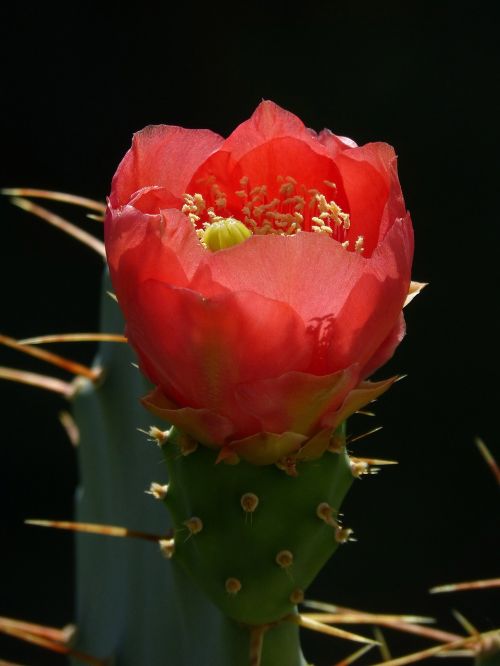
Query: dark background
[[78, 81]]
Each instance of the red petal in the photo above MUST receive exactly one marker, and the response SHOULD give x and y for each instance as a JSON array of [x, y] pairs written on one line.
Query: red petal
[[272, 143], [164, 156], [386, 349], [335, 144], [200, 349], [141, 247], [264, 164], [269, 121], [309, 271], [349, 303], [374, 302], [371, 185]]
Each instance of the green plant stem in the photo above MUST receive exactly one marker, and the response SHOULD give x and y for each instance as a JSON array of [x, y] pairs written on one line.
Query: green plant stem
[[133, 606]]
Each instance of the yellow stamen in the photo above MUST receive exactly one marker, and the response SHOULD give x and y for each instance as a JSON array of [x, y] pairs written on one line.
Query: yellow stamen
[[283, 209], [358, 245]]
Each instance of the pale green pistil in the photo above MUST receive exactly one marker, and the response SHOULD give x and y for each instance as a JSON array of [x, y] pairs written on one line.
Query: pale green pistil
[[224, 233]]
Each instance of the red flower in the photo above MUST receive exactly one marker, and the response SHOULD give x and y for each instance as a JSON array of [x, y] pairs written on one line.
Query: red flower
[[261, 348]]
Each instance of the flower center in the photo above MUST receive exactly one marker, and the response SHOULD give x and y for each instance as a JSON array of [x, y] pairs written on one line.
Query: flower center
[[223, 232], [222, 221]]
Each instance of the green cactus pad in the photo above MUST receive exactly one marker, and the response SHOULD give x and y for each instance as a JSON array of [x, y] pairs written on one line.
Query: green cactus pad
[[253, 564]]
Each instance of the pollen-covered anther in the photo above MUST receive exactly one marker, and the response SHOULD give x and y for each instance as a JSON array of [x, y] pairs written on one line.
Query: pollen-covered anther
[[167, 548], [297, 596], [218, 196], [358, 468], [233, 586], [294, 208], [330, 212], [194, 524], [320, 227], [358, 245], [224, 232], [194, 207], [258, 192], [284, 559], [325, 513], [249, 502], [157, 490], [287, 189], [343, 534]]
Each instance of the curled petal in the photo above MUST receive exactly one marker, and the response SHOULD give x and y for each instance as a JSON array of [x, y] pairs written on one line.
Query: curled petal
[[387, 348], [161, 156], [295, 401], [227, 456], [141, 247], [202, 424], [316, 446], [153, 199], [374, 302], [370, 181], [414, 290], [359, 397], [266, 448], [335, 144], [269, 121]]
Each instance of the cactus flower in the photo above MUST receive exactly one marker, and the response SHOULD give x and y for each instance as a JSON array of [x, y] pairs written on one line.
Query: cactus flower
[[262, 279]]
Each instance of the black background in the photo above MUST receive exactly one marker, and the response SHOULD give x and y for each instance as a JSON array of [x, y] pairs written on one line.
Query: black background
[[78, 81]]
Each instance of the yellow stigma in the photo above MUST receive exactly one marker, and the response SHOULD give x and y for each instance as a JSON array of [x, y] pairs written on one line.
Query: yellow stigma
[[224, 232]]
